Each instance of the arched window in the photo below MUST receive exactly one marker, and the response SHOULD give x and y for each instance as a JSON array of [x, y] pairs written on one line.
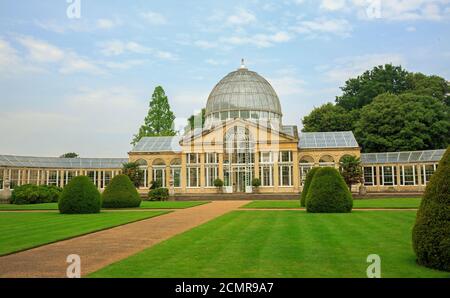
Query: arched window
[[143, 166], [326, 161], [175, 168], [306, 164], [239, 149], [159, 172]]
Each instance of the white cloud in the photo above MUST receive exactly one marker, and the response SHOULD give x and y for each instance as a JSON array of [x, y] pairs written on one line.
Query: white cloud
[[153, 18], [84, 120], [321, 26], [118, 47], [393, 10], [11, 63], [287, 85], [259, 40], [105, 24], [215, 62], [41, 51], [350, 67], [204, 44], [242, 17], [332, 4]]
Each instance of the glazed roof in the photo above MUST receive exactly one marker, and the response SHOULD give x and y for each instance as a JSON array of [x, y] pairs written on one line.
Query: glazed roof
[[243, 90]]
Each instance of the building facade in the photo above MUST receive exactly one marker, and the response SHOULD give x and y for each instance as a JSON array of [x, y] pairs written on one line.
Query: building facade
[[243, 137]]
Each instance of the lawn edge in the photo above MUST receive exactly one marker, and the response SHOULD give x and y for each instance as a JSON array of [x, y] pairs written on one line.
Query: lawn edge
[[87, 233]]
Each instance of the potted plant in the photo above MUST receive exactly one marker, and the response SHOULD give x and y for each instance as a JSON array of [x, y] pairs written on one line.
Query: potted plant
[[256, 183], [219, 184]]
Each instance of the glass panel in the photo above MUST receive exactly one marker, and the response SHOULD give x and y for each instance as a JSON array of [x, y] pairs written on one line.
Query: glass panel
[[176, 174]]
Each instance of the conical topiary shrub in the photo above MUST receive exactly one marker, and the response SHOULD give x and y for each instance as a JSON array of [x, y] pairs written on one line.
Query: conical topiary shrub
[[328, 193], [80, 196], [121, 193], [308, 180], [431, 233]]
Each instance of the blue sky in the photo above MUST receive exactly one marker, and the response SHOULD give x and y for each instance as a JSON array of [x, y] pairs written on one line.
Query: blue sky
[[83, 84]]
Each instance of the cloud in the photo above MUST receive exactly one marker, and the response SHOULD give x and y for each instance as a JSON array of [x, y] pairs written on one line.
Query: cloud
[[79, 26], [41, 51], [118, 47], [287, 85], [324, 26], [240, 18], [350, 67], [393, 10], [258, 40], [88, 119], [106, 24], [153, 18], [11, 63], [332, 4]]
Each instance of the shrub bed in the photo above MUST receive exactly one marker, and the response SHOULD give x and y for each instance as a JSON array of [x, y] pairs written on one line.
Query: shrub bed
[[431, 233], [80, 196], [328, 193], [121, 193], [158, 194], [308, 180], [35, 194]]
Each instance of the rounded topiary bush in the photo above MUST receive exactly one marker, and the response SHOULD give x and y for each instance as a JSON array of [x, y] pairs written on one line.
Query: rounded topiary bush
[[431, 233], [328, 193], [308, 180], [158, 194], [80, 196], [121, 193]]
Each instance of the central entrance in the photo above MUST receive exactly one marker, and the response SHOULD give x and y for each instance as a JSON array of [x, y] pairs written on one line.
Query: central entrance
[[238, 160]]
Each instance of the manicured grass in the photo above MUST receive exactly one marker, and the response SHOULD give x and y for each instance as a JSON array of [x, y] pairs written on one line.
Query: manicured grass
[[21, 230], [144, 205], [391, 203], [282, 244]]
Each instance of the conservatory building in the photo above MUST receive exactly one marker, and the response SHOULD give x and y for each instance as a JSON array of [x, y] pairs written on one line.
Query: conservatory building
[[243, 137]]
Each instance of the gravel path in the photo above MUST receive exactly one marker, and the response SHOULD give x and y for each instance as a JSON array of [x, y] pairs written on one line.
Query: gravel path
[[100, 249]]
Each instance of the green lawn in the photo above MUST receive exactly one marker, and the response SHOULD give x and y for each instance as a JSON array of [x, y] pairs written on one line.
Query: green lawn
[[282, 244], [144, 205], [20, 230], [393, 203]]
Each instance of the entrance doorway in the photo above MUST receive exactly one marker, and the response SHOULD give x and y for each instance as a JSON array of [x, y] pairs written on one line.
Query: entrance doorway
[[242, 177]]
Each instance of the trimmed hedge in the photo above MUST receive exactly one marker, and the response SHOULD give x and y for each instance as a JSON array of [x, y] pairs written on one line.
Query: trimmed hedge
[[35, 194], [431, 232], [121, 193], [308, 180], [328, 193], [158, 194], [80, 196]]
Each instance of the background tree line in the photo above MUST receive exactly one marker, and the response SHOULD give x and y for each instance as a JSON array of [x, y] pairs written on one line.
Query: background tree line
[[389, 109]]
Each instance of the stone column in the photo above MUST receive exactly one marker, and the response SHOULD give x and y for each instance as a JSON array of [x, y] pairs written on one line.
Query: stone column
[[183, 172], [295, 171]]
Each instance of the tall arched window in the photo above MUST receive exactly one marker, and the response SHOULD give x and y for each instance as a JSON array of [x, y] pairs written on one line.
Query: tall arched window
[[239, 158], [326, 161], [143, 166], [159, 172], [306, 164], [175, 168]]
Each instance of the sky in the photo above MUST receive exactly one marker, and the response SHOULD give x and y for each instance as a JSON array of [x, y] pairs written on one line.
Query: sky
[[77, 75]]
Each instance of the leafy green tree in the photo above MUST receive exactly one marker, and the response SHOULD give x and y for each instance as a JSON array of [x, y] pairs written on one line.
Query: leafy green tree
[[434, 86], [132, 170], [361, 90], [403, 122], [330, 117], [70, 155], [431, 232], [350, 168], [159, 120]]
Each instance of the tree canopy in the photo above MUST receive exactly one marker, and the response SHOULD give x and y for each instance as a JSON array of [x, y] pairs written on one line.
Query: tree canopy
[[70, 155], [160, 118], [330, 117], [403, 122], [375, 132]]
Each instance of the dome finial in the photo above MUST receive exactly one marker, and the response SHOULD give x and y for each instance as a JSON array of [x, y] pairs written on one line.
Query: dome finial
[[243, 64]]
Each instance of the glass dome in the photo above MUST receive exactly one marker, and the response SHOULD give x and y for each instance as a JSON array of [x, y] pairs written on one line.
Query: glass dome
[[243, 94]]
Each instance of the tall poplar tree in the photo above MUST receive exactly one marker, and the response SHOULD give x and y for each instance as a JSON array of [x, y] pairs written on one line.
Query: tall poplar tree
[[159, 120]]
